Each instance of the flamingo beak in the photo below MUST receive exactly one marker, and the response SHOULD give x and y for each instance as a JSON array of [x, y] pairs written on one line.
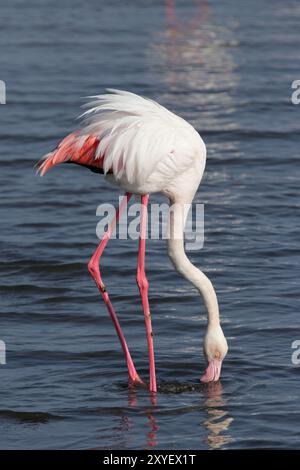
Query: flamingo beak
[[213, 371]]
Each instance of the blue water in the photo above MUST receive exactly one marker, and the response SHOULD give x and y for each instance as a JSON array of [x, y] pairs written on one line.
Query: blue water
[[227, 67]]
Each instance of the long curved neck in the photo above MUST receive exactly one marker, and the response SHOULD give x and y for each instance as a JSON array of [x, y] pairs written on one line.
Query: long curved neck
[[177, 218]]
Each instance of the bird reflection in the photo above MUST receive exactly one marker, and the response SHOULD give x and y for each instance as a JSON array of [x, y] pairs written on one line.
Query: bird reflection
[[132, 396], [218, 420], [178, 25], [152, 424], [216, 424], [152, 434], [192, 57]]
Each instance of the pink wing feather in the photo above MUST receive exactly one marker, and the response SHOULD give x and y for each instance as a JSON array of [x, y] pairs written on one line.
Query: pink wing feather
[[75, 148]]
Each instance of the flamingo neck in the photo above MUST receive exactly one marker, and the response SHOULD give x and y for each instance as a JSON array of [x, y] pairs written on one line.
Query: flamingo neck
[[177, 219]]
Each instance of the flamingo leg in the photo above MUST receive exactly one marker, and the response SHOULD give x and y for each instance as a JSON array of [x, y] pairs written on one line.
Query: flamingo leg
[[94, 269], [143, 287]]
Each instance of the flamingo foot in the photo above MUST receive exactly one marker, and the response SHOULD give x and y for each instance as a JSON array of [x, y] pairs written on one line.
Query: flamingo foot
[[135, 380], [213, 371]]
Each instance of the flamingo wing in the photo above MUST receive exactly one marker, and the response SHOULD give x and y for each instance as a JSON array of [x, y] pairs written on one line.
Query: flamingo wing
[[74, 148], [129, 136], [136, 135]]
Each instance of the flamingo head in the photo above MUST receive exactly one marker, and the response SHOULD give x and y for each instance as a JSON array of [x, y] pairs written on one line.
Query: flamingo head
[[215, 349]]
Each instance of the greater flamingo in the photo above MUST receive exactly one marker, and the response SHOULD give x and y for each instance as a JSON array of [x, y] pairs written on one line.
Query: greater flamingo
[[144, 148]]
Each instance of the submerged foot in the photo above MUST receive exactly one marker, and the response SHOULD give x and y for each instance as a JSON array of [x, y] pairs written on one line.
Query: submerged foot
[[136, 380]]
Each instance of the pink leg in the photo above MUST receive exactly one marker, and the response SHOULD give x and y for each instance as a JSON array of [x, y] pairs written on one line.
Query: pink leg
[[143, 287], [94, 269]]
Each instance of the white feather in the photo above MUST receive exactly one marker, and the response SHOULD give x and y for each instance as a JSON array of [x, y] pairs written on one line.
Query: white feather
[[137, 134]]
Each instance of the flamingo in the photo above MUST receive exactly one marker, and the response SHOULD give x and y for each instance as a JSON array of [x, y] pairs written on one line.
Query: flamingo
[[144, 148]]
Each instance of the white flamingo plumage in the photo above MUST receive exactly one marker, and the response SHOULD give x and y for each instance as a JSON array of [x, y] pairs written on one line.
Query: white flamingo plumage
[[144, 148]]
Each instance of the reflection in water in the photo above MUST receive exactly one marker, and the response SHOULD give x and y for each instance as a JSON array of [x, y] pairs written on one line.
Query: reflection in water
[[193, 59], [152, 422], [152, 434], [199, 16], [218, 420], [216, 424], [132, 396]]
